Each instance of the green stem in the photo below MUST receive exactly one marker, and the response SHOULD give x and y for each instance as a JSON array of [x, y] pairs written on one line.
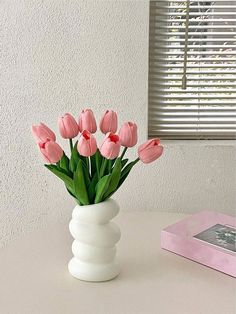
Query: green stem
[[97, 165], [110, 165], [104, 164], [136, 160], [71, 144], [123, 153], [87, 164]]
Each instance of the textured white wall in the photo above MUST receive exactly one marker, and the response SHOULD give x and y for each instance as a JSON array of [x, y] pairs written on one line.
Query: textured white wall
[[59, 56]]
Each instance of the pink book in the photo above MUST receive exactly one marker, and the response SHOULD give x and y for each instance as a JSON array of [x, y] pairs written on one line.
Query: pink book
[[207, 237]]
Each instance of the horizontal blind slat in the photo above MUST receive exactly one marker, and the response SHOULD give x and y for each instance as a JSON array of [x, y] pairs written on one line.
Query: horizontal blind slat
[[176, 78], [206, 20], [194, 44], [190, 60], [227, 32], [190, 40], [202, 65], [173, 7], [162, 84], [198, 102], [203, 28], [158, 96], [213, 72], [183, 14], [156, 3], [193, 91], [163, 52]]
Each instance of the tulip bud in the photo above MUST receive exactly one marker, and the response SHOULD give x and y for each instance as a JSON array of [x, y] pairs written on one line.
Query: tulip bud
[[42, 133], [87, 121], [51, 151], [68, 127], [108, 122], [150, 150], [87, 145], [110, 147], [128, 134]]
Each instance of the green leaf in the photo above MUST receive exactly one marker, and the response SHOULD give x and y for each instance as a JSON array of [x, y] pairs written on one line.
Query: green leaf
[[127, 169], [63, 176], [103, 167], [124, 174], [63, 166], [101, 188], [124, 162], [98, 158], [119, 184], [91, 189], [122, 180], [74, 158], [86, 173], [93, 165], [64, 163], [113, 161], [68, 190], [115, 178], [79, 184]]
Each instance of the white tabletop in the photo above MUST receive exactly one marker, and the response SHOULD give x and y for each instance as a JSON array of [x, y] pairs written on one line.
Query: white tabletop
[[34, 277]]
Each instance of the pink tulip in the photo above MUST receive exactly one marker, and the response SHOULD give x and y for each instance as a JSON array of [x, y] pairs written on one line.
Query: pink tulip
[[110, 147], [87, 121], [108, 122], [150, 150], [128, 134], [68, 127], [87, 145], [51, 151], [42, 133]]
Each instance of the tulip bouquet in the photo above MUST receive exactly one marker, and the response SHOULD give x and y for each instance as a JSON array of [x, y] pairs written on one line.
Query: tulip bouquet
[[91, 174]]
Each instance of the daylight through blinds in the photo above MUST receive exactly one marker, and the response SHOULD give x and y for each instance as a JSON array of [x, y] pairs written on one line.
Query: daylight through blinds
[[206, 108]]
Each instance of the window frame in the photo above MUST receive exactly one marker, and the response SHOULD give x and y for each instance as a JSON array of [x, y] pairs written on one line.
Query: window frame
[[195, 135]]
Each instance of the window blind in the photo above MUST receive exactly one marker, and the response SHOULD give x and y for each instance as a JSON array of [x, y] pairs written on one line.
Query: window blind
[[197, 38]]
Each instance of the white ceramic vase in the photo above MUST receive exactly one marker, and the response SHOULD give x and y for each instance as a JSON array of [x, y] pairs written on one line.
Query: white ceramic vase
[[94, 247]]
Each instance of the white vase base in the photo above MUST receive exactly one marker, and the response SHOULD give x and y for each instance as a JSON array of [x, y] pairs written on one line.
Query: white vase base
[[93, 272]]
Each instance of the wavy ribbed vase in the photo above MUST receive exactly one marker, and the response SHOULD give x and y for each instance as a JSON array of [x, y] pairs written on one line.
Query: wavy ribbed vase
[[94, 247]]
